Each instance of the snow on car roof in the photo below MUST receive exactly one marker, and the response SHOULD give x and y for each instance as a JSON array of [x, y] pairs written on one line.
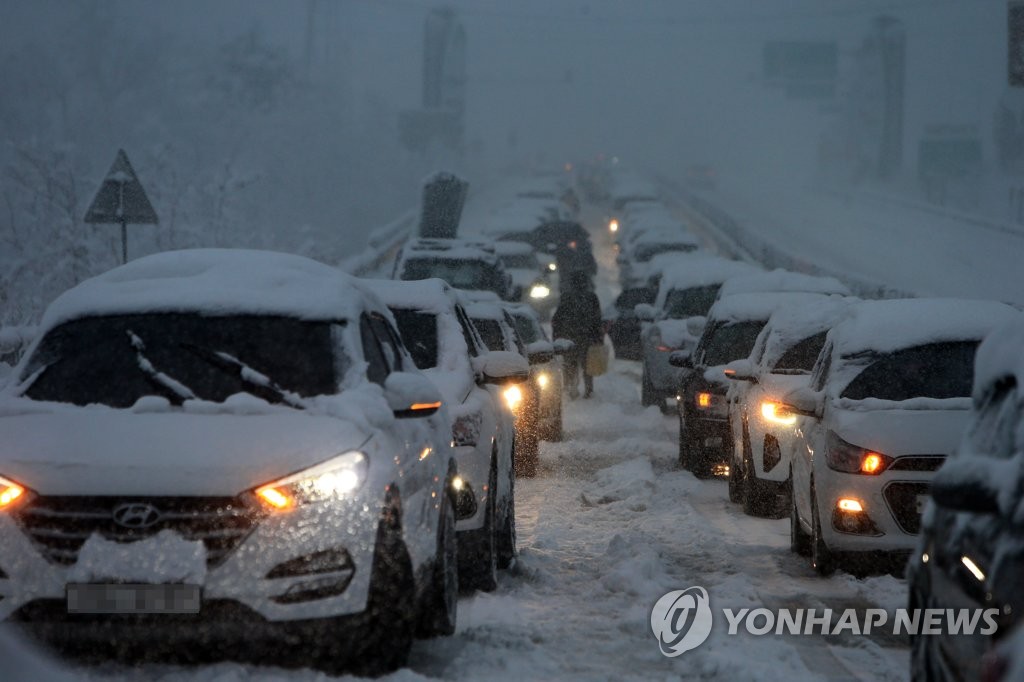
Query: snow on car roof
[[697, 270], [485, 310], [512, 248], [890, 325], [758, 306], [429, 295], [783, 280], [793, 323], [1000, 355], [215, 281]]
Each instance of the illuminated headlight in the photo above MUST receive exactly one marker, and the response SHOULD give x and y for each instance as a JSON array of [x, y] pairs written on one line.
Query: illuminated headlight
[[337, 477], [543, 379], [777, 414], [613, 225], [540, 291], [11, 494], [552, 267], [513, 397]]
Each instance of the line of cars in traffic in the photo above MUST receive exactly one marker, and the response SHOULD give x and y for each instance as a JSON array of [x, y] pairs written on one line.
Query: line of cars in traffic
[[242, 454], [878, 427]]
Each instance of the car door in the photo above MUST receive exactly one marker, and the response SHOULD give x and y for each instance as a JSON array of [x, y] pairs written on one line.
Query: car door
[[807, 431]]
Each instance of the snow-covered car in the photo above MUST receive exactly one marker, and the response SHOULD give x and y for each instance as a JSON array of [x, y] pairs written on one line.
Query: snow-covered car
[[464, 264], [780, 280], [784, 355], [676, 319], [532, 282], [888, 401], [633, 260], [227, 451], [545, 369], [448, 349], [732, 327], [971, 549], [622, 323]]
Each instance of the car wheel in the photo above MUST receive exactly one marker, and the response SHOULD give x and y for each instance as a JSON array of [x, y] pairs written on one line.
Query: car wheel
[[507, 537], [758, 499], [478, 552], [799, 541], [440, 606], [684, 446], [822, 559]]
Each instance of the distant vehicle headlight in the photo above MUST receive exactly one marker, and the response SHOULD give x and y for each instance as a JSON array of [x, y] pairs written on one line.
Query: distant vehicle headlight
[[540, 291], [613, 225], [513, 397], [552, 266], [543, 379], [337, 477]]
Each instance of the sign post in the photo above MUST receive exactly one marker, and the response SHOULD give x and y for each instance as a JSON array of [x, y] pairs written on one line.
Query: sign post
[[121, 200]]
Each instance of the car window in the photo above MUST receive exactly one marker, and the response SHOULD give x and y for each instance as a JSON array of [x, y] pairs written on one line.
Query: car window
[[682, 303], [419, 332], [468, 332], [388, 342], [460, 273], [936, 370], [490, 332], [801, 356], [377, 366], [729, 342], [116, 360], [510, 327], [527, 329]]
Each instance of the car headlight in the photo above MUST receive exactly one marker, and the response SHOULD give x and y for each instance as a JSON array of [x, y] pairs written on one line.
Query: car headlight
[[540, 291], [513, 397], [850, 459], [543, 379], [11, 494], [552, 267], [337, 477]]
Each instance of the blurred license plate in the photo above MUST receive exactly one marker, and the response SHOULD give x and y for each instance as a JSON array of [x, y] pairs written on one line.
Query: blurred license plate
[[89, 598], [921, 501]]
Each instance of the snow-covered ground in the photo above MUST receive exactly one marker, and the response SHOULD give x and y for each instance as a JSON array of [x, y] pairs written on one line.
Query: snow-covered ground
[[610, 525]]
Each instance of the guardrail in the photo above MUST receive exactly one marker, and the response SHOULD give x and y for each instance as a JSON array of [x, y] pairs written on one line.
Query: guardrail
[[382, 245], [748, 244]]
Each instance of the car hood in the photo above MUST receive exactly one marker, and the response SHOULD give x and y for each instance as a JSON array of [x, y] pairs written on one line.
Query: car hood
[[897, 432], [100, 451]]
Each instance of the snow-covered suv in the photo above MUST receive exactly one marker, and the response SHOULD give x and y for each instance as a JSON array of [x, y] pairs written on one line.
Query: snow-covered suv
[[227, 452]]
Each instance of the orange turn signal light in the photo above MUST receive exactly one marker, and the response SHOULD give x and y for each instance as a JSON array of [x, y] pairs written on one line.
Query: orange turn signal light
[[275, 499], [10, 492], [425, 406]]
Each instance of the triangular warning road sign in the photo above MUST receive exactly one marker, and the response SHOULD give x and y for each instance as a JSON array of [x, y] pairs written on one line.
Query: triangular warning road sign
[[121, 198]]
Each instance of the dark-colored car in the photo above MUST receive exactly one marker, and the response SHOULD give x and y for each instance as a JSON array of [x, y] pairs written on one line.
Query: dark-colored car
[[622, 322], [971, 549]]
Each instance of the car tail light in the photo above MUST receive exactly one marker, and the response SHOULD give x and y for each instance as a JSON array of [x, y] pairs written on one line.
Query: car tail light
[[704, 400], [850, 459], [665, 349]]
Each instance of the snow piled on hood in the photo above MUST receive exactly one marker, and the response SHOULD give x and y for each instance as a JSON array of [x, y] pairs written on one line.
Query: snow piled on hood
[[214, 282], [784, 280], [891, 325]]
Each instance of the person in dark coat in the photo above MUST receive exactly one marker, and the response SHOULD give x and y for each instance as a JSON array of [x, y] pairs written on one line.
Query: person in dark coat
[[578, 318]]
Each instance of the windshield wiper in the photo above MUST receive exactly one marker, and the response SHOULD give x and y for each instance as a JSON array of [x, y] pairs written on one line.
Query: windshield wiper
[[173, 389], [262, 385]]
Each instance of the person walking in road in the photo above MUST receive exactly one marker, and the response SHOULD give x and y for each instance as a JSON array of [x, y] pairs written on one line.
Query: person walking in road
[[578, 318]]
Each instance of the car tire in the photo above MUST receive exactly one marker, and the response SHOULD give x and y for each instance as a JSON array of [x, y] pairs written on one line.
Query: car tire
[[506, 541], [822, 559], [799, 541], [478, 551], [758, 499], [684, 446], [440, 604]]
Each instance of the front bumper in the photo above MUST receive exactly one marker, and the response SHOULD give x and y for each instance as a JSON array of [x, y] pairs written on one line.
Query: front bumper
[[31, 574]]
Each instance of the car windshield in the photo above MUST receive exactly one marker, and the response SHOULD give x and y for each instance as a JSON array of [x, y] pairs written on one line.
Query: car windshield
[[527, 328], [116, 360], [728, 342], [490, 332], [419, 333], [648, 251], [524, 261], [461, 274], [937, 370], [800, 357], [683, 303]]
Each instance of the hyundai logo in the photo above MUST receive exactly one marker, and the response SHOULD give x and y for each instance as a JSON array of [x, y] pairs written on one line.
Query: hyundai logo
[[136, 515]]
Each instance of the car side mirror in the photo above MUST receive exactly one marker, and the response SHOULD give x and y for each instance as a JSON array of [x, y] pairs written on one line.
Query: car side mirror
[[563, 346], [962, 484], [500, 367], [465, 500], [741, 370], [540, 352], [682, 359], [645, 312], [805, 402], [411, 395]]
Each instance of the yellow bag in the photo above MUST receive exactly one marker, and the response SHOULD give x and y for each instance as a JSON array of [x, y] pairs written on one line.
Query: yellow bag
[[597, 360]]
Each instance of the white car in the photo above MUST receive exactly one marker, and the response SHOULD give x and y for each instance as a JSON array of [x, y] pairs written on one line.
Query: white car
[[784, 354], [448, 349], [230, 452], [888, 400], [779, 281]]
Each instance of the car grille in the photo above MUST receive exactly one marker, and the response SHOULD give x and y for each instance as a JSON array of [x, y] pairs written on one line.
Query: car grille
[[918, 463], [902, 500], [59, 526]]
